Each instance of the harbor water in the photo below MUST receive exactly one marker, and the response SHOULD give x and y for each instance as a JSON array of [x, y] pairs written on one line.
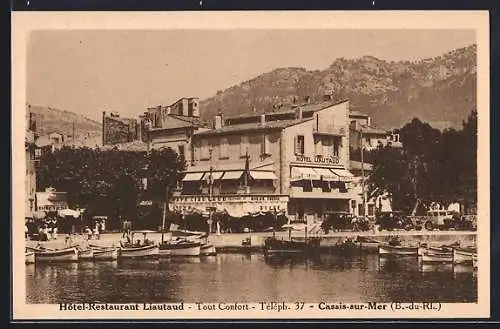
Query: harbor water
[[250, 278]]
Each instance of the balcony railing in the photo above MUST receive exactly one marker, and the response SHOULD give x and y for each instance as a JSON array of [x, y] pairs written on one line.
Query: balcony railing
[[230, 198]]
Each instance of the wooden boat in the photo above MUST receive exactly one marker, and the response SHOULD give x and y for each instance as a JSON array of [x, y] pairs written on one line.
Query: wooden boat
[[85, 254], [436, 257], [181, 248], [208, 249], [273, 246], [106, 254], [368, 244], [139, 251], [424, 249], [388, 250], [53, 256], [29, 257], [462, 257]]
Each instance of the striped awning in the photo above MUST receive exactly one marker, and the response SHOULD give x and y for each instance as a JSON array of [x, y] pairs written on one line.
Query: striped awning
[[193, 177], [232, 175], [264, 175], [326, 174]]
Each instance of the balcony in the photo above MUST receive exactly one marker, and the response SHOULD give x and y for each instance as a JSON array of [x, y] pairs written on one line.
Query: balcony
[[328, 129], [297, 192]]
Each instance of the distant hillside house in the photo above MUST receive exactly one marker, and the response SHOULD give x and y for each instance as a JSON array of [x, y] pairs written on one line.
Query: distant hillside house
[[116, 130], [363, 132], [50, 142]]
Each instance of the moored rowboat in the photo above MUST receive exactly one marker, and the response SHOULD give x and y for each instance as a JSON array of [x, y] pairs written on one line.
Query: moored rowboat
[[462, 257], [106, 254], [388, 250], [182, 248], [208, 250], [435, 257], [149, 251], [61, 255], [85, 254]]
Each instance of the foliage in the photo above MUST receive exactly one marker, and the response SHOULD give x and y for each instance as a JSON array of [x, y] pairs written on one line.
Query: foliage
[[108, 182], [432, 166]]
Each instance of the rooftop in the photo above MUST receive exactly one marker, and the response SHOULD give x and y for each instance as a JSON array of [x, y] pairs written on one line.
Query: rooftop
[[290, 109], [279, 124], [372, 130], [355, 113], [180, 121], [134, 146]]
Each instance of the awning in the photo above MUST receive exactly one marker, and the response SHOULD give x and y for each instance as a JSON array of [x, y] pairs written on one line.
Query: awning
[[232, 175], [304, 173], [68, 212], [263, 175], [192, 177], [326, 174], [343, 174], [215, 175]]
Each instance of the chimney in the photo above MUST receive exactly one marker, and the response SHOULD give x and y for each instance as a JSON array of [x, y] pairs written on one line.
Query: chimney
[[254, 109], [263, 119], [298, 113], [218, 121], [369, 121]]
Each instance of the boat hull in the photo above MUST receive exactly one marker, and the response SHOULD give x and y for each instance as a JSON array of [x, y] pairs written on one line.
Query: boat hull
[[442, 258], [273, 247], [387, 250], [181, 249], [462, 257], [151, 251], [29, 257], [208, 250], [106, 255], [64, 255], [86, 255]]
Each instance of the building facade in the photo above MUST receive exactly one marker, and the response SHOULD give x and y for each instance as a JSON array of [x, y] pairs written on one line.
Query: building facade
[[116, 130], [293, 160], [363, 133]]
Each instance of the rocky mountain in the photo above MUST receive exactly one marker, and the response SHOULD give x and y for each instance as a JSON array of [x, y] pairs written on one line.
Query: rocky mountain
[[440, 90], [65, 122]]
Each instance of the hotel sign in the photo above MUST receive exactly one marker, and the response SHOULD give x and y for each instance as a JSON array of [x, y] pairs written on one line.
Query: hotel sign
[[318, 159]]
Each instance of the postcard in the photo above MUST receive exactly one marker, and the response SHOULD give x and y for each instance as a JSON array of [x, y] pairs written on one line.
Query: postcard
[[250, 165]]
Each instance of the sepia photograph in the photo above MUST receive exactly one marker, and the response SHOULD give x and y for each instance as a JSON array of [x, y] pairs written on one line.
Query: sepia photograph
[[250, 165]]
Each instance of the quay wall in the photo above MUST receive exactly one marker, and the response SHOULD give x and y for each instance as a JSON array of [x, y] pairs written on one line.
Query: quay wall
[[232, 242]]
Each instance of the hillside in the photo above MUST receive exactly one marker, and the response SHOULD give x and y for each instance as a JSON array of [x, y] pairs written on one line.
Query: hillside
[[440, 89], [63, 121]]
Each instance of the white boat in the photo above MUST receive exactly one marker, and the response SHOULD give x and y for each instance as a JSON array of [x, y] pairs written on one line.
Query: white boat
[[53, 256], [462, 257], [181, 248], [424, 249], [148, 251], [388, 250], [436, 257], [29, 257], [85, 254], [106, 254], [208, 249]]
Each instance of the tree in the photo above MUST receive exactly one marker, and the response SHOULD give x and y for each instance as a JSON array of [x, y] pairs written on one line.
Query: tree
[[109, 182]]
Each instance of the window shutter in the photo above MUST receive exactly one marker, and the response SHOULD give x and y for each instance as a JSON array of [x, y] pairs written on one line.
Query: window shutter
[[243, 145], [223, 148], [296, 144]]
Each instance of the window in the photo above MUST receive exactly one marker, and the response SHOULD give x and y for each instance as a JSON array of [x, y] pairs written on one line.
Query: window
[[336, 145], [299, 145], [243, 145], [327, 147], [181, 151], [223, 148], [265, 146]]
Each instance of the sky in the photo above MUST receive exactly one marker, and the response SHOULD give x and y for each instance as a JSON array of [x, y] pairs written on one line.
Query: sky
[[88, 72]]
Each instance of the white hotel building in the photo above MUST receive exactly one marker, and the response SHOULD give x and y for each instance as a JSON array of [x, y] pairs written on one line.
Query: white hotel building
[[293, 160]]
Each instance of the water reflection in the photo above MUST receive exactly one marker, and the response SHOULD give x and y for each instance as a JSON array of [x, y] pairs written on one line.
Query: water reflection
[[249, 277]]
